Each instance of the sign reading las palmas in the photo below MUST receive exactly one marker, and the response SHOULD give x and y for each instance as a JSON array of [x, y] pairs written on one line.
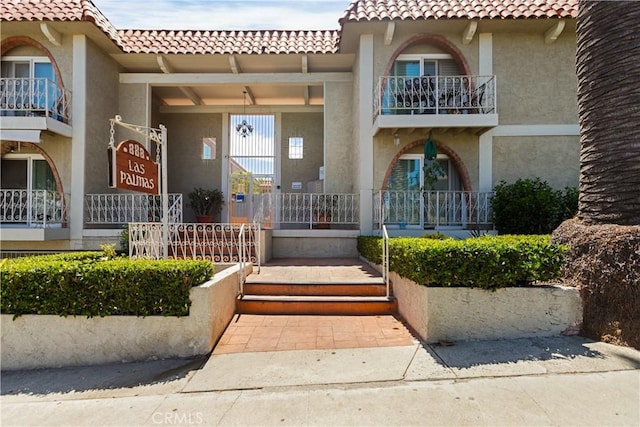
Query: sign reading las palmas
[[134, 170]]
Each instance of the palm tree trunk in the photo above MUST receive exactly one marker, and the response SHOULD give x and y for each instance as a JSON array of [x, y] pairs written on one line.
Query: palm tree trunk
[[608, 68]]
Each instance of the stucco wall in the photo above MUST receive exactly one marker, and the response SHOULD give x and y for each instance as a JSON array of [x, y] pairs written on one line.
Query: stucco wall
[[186, 167], [310, 127], [536, 82], [554, 159], [341, 169], [101, 105], [41, 341], [459, 314]]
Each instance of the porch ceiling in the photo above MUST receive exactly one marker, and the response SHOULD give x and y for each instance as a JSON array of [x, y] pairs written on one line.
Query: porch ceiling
[[295, 92]]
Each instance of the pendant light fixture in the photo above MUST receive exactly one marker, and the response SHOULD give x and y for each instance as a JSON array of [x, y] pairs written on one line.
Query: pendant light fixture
[[244, 129]]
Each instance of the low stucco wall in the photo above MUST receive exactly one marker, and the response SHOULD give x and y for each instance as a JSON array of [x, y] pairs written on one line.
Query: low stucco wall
[[315, 244], [460, 314], [42, 341]]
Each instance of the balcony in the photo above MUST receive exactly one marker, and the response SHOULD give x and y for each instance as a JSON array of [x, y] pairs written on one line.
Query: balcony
[[29, 106], [430, 102], [33, 215]]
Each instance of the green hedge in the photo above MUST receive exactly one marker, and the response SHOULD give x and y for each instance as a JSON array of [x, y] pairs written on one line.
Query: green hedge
[[488, 262], [89, 285], [531, 206]]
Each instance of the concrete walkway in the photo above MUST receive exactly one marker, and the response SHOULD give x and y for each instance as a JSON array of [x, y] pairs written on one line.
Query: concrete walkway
[[361, 370], [541, 381]]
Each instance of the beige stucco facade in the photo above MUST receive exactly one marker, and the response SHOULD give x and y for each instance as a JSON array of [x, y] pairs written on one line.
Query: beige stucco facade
[[534, 132]]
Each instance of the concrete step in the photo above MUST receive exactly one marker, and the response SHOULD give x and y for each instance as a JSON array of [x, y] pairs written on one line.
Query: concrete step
[[316, 289], [318, 305]]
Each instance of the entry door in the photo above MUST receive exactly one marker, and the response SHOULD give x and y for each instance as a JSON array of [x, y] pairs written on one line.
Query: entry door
[[252, 162]]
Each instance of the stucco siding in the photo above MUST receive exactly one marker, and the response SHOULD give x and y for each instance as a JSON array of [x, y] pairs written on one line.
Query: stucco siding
[[341, 169], [186, 167], [536, 82], [553, 159], [308, 126], [101, 105]]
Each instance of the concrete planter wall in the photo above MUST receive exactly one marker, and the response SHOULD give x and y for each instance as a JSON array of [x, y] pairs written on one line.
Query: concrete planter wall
[[41, 341], [459, 314]]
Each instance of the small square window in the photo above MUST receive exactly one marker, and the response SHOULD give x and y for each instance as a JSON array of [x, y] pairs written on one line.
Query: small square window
[[296, 147], [208, 148]]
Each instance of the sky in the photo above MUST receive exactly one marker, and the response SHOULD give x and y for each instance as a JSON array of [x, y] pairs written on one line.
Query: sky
[[224, 14]]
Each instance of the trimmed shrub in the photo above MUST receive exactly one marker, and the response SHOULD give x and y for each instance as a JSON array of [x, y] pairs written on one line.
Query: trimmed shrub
[[531, 206], [487, 262], [89, 285]]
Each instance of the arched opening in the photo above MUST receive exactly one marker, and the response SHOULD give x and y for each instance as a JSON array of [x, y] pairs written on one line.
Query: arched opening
[[422, 193]]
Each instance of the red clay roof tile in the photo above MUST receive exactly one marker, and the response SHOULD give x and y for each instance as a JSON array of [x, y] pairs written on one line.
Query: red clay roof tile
[[280, 42], [370, 10]]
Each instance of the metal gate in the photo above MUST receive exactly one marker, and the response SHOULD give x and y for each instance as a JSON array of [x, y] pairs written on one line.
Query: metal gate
[[252, 164]]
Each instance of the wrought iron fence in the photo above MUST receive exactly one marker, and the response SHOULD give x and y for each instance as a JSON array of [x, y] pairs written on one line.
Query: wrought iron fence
[[310, 209], [217, 242], [37, 208], [126, 208], [435, 95], [34, 97], [433, 208]]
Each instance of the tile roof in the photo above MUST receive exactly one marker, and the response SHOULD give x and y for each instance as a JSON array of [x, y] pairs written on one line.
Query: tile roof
[[369, 10], [280, 42], [58, 10], [228, 42]]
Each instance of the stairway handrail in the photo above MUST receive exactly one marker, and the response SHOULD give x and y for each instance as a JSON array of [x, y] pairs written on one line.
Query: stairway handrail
[[242, 260], [385, 258]]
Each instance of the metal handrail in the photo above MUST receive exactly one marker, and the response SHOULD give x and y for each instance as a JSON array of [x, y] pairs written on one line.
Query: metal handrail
[[242, 259], [385, 259]]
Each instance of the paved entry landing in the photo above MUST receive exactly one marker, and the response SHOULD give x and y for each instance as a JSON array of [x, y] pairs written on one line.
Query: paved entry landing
[[256, 333], [314, 304], [315, 270]]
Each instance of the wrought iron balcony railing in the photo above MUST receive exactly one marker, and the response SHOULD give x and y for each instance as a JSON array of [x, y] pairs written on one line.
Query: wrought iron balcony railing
[[33, 208], [34, 97], [435, 95]]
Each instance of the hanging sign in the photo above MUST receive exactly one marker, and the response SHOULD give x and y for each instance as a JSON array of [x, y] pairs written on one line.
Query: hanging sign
[[131, 168]]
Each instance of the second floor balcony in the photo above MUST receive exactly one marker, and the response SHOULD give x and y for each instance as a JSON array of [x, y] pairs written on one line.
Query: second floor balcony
[[34, 104], [435, 102]]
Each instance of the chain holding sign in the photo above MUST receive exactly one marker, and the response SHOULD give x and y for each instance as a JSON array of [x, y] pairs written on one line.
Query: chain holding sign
[[131, 168]]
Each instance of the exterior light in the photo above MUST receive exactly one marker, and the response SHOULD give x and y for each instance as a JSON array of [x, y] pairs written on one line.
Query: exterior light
[[244, 129], [396, 139]]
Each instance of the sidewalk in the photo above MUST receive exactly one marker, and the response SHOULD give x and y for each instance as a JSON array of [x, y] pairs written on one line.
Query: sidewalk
[[539, 381]]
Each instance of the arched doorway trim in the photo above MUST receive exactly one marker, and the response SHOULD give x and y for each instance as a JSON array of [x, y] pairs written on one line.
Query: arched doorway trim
[[444, 149], [13, 42], [6, 148], [434, 40]]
